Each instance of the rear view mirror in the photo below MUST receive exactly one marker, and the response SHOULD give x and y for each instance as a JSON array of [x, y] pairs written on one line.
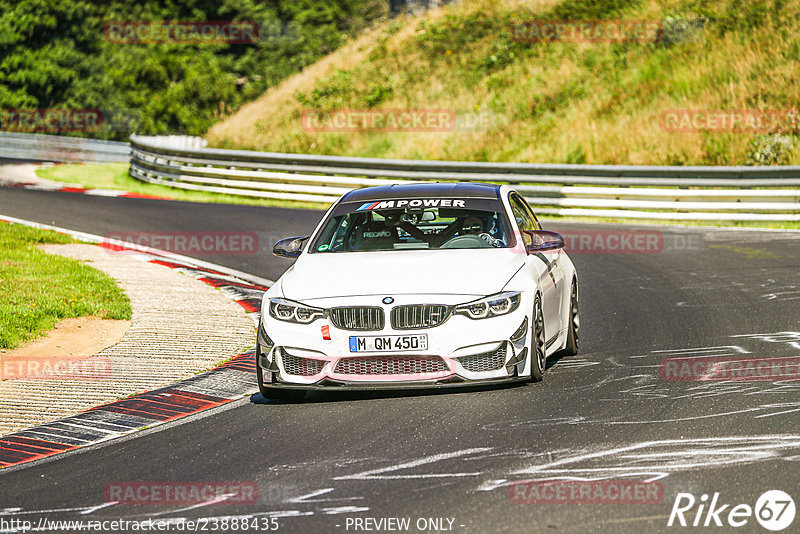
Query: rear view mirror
[[290, 247], [542, 240], [415, 217]]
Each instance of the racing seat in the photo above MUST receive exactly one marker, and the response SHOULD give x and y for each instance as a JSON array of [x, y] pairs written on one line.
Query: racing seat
[[374, 235]]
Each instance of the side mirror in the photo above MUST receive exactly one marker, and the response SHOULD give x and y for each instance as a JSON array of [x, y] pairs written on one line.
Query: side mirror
[[290, 247], [542, 240]]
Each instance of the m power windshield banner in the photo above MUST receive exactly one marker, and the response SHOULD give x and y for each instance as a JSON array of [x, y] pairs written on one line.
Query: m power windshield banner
[[413, 203]]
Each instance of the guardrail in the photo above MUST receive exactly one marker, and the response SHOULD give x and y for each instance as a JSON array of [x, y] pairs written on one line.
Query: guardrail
[[631, 191], [58, 148]]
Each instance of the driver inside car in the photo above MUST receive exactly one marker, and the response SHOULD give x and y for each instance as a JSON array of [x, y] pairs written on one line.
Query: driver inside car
[[471, 225], [474, 225], [458, 233]]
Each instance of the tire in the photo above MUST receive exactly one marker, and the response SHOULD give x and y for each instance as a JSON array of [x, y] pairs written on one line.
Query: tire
[[571, 348], [274, 393], [538, 350]]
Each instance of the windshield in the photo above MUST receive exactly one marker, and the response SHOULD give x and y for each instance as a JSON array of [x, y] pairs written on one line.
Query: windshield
[[425, 224]]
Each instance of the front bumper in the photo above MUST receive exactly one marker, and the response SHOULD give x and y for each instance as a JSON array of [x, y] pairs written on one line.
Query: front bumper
[[460, 352]]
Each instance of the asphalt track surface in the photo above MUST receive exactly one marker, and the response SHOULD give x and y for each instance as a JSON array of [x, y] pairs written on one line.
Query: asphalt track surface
[[605, 414]]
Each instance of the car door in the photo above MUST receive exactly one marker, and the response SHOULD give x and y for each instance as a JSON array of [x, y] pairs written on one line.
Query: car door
[[541, 263], [558, 270]]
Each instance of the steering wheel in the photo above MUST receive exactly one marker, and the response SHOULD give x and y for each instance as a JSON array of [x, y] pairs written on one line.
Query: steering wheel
[[493, 242], [466, 241]]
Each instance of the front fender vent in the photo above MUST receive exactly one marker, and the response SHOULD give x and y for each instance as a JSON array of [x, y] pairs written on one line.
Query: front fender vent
[[295, 365], [487, 361]]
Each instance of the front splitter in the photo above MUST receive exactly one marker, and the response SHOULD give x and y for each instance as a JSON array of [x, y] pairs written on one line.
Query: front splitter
[[450, 383]]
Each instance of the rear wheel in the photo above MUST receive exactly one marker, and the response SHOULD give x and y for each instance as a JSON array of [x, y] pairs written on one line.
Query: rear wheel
[[274, 393], [538, 354], [571, 348]]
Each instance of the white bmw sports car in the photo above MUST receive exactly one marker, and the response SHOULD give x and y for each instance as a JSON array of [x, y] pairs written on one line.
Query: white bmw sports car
[[418, 285]]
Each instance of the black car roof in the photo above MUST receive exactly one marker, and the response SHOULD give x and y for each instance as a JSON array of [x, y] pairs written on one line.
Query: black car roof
[[424, 190]]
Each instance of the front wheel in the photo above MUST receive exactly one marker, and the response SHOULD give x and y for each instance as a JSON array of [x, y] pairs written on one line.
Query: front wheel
[[571, 348], [538, 354]]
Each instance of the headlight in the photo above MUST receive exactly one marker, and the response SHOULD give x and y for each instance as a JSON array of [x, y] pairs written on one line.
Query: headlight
[[293, 312], [490, 306]]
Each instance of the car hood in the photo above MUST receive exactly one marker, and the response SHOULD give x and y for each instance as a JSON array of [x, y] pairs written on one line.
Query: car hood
[[475, 272]]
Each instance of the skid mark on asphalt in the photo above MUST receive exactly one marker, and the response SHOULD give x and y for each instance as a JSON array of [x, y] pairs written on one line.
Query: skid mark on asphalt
[[574, 363], [639, 376], [702, 352], [648, 461], [381, 472], [655, 460], [758, 412], [762, 281]]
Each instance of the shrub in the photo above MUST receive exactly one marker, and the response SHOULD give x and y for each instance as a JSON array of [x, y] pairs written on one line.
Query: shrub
[[770, 149]]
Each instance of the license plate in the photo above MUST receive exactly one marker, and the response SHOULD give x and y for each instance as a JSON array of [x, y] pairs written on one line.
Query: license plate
[[388, 343]]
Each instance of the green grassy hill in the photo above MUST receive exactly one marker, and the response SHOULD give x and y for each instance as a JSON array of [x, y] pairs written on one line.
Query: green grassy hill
[[60, 54], [563, 102]]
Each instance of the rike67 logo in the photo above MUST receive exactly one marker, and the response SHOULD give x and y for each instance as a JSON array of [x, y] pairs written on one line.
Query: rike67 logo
[[774, 510]]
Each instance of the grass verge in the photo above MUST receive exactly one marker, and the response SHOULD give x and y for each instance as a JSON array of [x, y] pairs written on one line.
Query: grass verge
[[38, 289], [115, 176]]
